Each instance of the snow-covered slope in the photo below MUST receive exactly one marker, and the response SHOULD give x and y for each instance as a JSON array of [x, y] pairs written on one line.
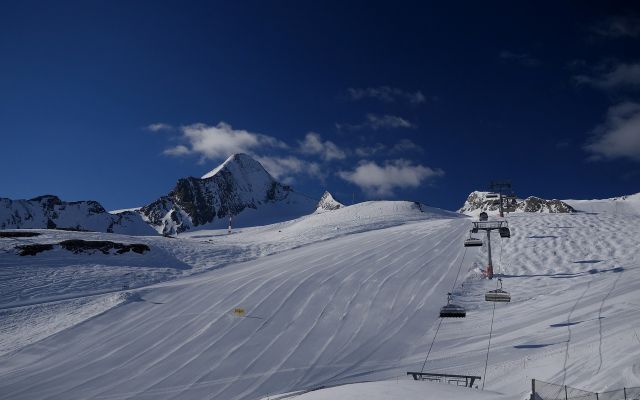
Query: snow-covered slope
[[240, 187], [616, 205], [328, 203], [59, 274], [357, 307], [394, 390], [477, 202], [51, 212]]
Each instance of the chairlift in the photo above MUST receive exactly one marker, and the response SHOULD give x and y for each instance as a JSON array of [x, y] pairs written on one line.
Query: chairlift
[[472, 242], [491, 195], [452, 310], [483, 216], [499, 295], [504, 232]]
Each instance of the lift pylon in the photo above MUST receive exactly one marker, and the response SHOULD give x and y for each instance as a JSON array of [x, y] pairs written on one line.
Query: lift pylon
[[489, 226], [500, 189]]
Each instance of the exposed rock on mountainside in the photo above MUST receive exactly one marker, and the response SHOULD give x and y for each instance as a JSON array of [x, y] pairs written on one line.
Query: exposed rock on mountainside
[[238, 185], [536, 204], [52, 213], [77, 246], [328, 203], [478, 202]]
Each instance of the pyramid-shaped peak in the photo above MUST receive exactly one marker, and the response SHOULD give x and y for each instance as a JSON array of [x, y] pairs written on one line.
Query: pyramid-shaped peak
[[328, 203], [239, 163]]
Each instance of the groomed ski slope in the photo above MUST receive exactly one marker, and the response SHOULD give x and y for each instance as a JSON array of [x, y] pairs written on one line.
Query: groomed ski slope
[[363, 306], [58, 274], [392, 390], [624, 205]]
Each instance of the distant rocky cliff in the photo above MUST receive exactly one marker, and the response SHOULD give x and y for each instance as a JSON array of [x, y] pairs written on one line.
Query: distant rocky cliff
[[239, 184], [52, 213], [478, 202]]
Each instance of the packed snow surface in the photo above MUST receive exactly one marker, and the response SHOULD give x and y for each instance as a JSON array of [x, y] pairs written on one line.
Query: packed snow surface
[[344, 296], [394, 390], [623, 205]]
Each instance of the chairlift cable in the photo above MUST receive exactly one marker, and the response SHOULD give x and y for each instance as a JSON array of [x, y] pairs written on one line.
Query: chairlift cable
[[431, 347], [459, 269], [486, 362], [464, 253]]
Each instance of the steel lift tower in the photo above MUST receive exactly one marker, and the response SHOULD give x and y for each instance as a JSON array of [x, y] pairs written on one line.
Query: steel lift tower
[[502, 188], [488, 226]]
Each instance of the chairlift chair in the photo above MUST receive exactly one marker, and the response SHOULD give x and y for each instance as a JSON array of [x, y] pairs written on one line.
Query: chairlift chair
[[504, 232], [452, 310], [472, 242], [483, 216], [499, 295]]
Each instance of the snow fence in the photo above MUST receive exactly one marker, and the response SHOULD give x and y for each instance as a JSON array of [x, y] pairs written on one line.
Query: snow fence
[[541, 390]]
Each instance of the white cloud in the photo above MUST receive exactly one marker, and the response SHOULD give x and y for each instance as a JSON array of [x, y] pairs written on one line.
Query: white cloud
[[406, 145], [220, 141], [618, 76], [619, 26], [387, 94], [177, 151], [313, 144], [287, 167], [383, 179], [619, 135], [159, 126], [521, 58], [376, 122], [368, 151]]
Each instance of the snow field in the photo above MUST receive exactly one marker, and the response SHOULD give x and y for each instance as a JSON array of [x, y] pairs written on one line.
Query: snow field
[[327, 310], [25, 325], [573, 280], [359, 307]]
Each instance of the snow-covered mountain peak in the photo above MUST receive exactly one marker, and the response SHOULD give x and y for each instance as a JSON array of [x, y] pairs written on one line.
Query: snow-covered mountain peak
[[238, 184], [328, 203], [239, 164]]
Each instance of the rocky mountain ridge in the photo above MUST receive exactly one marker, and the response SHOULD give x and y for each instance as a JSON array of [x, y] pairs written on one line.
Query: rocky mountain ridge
[[50, 212], [477, 202], [239, 184]]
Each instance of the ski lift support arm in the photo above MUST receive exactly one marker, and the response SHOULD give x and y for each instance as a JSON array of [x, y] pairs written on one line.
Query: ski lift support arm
[[502, 188], [488, 225], [424, 376]]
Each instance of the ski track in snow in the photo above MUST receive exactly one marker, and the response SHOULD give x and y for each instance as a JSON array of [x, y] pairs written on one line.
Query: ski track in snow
[[362, 306]]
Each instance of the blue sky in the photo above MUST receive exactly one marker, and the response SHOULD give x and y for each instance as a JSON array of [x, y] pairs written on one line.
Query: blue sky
[[114, 101]]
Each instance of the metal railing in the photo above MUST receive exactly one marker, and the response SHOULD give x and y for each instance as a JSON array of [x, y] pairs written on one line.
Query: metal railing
[[459, 380]]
